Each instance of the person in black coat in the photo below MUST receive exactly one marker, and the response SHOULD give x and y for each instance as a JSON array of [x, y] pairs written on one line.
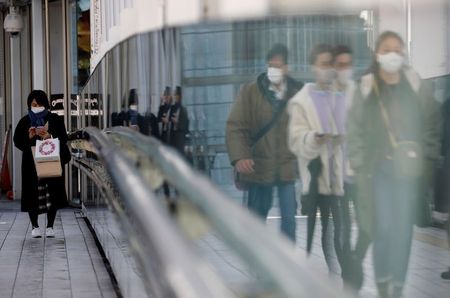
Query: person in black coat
[[41, 124], [147, 125], [151, 125], [174, 122], [129, 117], [163, 111], [178, 127]]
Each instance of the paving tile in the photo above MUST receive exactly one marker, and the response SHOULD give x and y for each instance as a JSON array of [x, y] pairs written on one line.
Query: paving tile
[[57, 293], [82, 275], [71, 266], [40, 267], [56, 280]]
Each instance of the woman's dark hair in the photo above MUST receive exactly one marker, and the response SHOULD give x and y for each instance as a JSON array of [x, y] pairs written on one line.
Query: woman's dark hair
[[133, 97], [40, 97], [278, 50], [167, 91], [341, 49], [374, 67], [178, 91], [319, 49], [385, 35]]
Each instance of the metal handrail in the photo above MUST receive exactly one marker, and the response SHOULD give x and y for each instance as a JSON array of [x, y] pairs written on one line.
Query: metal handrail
[[173, 270], [272, 255]]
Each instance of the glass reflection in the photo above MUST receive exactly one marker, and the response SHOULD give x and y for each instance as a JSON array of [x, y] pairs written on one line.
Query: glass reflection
[[211, 90]]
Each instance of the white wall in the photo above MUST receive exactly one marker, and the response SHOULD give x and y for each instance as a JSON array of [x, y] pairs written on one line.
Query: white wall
[[394, 17], [424, 26], [56, 48], [37, 29], [430, 51]]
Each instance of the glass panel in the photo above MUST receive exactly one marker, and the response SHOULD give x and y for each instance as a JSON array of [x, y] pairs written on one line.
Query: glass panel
[[182, 86]]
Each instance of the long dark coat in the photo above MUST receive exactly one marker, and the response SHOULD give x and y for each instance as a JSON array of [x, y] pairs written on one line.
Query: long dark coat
[[56, 188], [175, 136], [178, 134]]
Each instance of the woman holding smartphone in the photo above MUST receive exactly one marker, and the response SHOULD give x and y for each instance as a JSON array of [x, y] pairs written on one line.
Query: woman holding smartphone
[[40, 124], [394, 129]]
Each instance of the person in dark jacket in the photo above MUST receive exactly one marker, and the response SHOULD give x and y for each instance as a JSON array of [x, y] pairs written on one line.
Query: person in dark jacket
[[174, 123], [394, 141], [150, 127], [164, 107], [146, 125], [266, 163], [178, 123], [40, 124]]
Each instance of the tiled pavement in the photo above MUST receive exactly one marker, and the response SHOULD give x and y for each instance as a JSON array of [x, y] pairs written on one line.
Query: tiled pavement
[[429, 257], [68, 265], [71, 266]]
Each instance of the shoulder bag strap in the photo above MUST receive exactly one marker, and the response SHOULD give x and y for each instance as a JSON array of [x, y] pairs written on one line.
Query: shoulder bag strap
[[384, 115], [266, 128]]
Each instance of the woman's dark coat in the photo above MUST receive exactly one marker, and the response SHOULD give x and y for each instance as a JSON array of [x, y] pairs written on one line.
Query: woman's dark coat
[[56, 187]]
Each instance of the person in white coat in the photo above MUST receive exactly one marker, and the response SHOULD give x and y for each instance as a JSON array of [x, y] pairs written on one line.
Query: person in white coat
[[317, 126]]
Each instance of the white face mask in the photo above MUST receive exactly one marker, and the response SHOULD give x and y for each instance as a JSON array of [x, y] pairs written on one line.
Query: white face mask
[[37, 110], [343, 76], [390, 62], [324, 76], [275, 75], [133, 107]]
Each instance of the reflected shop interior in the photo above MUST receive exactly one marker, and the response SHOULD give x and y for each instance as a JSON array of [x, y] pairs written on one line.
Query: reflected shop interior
[[202, 68]]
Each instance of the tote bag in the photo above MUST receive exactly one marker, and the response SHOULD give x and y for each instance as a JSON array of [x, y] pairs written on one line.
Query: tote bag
[[47, 150], [46, 169]]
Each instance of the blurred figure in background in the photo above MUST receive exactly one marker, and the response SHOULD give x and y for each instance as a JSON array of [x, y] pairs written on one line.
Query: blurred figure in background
[[175, 126], [394, 131], [317, 128], [256, 139], [352, 273], [131, 117], [151, 124], [178, 123], [163, 112]]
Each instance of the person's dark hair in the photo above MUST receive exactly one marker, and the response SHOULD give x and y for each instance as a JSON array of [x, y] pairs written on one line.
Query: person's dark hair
[[341, 49], [40, 97], [374, 67], [133, 97], [278, 50], [167, 91], [385, 35], [178, 91], [319, 49]]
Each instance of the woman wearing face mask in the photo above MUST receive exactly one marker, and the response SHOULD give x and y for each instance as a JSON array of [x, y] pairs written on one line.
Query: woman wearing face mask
[[40, 124], [393, 139], [316, 131]]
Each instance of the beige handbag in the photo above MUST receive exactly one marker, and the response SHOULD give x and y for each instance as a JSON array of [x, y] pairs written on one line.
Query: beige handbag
[[47, 169]]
